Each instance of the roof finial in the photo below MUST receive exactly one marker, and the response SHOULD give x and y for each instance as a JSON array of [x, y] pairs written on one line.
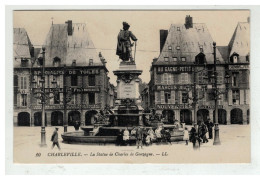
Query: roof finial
[[52, 20]]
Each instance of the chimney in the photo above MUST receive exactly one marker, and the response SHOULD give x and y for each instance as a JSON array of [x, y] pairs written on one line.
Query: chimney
[[163, 36], [188, 22], [32, 51], [69, 22]]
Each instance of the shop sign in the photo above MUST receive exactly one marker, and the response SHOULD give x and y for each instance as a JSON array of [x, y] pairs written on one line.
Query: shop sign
[[174, 69], [238, 67], [173, 106], [209, 107], [172, 87]]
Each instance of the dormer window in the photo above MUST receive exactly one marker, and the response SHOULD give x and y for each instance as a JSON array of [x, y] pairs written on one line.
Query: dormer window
[[183, 59], [166, 59], [24, 62], [91, 62], [175, 59], [178, 28], [170, 48], [234, 58], [74, 63], [247, 58], [56, 62], [200, 58], [178, 47]]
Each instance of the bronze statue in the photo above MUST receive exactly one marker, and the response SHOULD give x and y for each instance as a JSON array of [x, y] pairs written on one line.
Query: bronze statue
[[124, 45]]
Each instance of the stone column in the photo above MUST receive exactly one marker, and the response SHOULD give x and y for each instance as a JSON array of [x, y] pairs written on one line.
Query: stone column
[[48, 115], [193, 117], [32, 119], [82, 118], [228, 117], [211, 115], [244, 117], [177, 115], [15, 120]]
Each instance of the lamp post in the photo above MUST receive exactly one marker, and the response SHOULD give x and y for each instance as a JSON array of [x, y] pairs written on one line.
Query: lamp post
[[217, 93], [43, 96]]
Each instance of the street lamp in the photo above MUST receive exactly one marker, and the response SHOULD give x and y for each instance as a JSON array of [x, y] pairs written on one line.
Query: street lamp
[[40, 93], [217, 93]]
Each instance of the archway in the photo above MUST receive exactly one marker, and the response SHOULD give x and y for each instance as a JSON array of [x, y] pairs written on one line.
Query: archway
[[248, 116], [73, 116], [57, 118], [236, 116], [202, 115], [89, 117], [169, 116], [185, 116], [222, 116], [38, 119], [24, 119]]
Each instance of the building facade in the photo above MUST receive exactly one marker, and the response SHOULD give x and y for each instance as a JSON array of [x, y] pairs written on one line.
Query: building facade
[[184, 71], [73, 69]]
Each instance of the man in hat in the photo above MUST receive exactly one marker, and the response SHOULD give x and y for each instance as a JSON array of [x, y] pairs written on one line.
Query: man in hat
[[124, 46], [139, 137], [54, 138]]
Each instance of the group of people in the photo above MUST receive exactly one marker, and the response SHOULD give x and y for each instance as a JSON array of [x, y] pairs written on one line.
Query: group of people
[[198, 133], [144, 136]]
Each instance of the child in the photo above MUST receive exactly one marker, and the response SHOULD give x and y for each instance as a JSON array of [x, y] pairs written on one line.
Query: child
[[148, 140], [186, 135]]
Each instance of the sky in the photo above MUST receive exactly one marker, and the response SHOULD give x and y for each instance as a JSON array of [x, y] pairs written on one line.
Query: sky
[[104, 26]]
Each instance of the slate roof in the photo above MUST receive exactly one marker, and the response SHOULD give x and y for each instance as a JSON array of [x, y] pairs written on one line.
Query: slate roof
[[21, 46], [78, 46], [189, 41], [240, 41]]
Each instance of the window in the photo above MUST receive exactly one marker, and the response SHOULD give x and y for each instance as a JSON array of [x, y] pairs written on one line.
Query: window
[[185, 97], [91, 98], [74, 62], [167, 97], [24, 62], [91, 80], [74, 80], [183, 59], [15, 80], [235, 79], [175, 59], [23, 82], [15, 97], [56, 62], [167, 78], [178, 28], [23, 99], [178, 47], [247, 58], [57, 98], [73, 99], [235, 97], [220, 100], [184, 78], [220, 77], [234, 59], [170, 48], [166, 59], [91, 62]]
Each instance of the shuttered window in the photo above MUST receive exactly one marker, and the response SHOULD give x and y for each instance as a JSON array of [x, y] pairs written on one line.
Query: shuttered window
[[162, 97], [235, 97], [23, 82]]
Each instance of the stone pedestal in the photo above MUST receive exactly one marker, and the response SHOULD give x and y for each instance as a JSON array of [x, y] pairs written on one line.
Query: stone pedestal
[[128, 103]]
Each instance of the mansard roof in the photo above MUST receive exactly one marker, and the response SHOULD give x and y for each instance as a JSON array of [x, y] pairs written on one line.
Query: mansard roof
[[187, 42]]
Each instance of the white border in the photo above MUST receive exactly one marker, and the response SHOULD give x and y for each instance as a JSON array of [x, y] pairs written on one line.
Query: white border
[[76, 169]]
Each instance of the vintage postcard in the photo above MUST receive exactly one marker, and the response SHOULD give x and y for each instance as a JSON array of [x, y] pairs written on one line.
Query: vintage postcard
[[131, 86]]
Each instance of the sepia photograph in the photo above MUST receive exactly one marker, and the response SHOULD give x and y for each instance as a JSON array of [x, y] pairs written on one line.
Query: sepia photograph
[[131, 86]]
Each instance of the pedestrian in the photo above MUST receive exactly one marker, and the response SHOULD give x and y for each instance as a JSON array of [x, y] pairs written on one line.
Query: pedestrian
[[139, 137], [186, 135], [168, 136], [126, 136], [210, 126], [152, 135], [54, 138], [158, 134], [195, 138], [76, 125], [119, 138], [163, 134], [133, 132], [204, 131], [148, 140]]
